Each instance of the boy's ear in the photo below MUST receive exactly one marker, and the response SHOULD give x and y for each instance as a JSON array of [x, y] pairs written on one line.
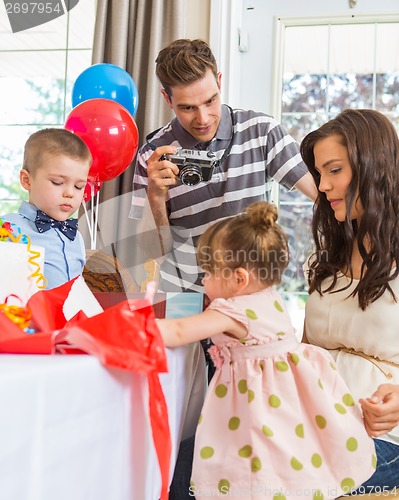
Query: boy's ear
[[24, 179]]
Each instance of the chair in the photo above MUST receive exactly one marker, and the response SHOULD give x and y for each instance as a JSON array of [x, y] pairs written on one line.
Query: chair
[[104, 273]]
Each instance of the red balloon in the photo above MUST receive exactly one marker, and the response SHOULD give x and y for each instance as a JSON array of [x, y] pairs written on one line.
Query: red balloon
[[91, 189], [110, 133]]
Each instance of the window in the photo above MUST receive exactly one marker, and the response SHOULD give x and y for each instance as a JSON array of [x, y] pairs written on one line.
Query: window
[[325, 66], [37, 71]]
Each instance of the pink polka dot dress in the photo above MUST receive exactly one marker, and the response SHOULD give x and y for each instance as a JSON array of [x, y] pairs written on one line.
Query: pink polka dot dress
[[278, 420]]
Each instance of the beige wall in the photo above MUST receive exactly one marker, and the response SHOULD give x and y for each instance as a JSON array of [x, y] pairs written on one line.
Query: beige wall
[[198, 19]]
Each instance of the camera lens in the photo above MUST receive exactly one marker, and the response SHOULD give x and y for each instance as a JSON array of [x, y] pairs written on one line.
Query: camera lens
[[190, 174]]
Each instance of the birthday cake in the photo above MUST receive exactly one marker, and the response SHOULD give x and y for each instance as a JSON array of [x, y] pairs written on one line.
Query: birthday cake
[[22, 266]]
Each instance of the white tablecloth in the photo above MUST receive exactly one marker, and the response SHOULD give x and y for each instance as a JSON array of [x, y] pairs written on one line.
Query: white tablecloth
[[71, 429]]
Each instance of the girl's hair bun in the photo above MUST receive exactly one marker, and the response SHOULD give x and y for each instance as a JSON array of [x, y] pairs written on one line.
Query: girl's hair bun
[[262, 214]]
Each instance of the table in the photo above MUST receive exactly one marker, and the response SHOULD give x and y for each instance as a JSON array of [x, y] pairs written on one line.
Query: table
[[71, 429]]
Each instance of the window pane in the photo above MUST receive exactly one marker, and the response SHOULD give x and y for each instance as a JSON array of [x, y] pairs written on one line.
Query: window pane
[[51, 35], [29, 80], [81, 25], [350, 91], [304, 92], [306, 50], [11, 156], [295, 216], [78, 60], [300, 125], [387, 92], [26, 64], [33, 95], [387, 43], [26, 102], [352, 48], [395, 120], [296, 221]]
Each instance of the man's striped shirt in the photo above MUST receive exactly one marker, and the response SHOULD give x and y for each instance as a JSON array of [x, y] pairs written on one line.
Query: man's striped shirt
[[260, 151]]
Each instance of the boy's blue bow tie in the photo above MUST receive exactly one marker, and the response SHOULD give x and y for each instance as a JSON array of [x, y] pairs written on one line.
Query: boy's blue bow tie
[[44, 223]]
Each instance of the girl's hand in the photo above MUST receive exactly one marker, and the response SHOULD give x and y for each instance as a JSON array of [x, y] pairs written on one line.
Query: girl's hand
[[381, 411]]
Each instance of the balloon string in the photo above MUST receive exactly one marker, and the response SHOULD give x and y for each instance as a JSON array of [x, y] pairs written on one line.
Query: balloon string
[[93, 227], [97, 200], [89, 225], [92, 220], [32, 259]]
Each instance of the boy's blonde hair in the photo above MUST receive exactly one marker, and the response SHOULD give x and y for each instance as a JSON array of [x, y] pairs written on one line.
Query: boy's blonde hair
[[251, 240], [53, 141]]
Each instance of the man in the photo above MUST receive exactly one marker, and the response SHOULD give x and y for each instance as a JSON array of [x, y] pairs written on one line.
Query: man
[[251, 149]]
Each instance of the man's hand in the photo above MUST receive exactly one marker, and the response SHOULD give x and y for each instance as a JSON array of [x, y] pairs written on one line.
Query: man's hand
[[161, 173], [381, 410]]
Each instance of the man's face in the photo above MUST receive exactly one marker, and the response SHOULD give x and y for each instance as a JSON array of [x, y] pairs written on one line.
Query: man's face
[[197, 106]]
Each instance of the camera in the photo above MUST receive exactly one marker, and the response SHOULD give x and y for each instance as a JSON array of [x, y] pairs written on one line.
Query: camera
[[195, 166]]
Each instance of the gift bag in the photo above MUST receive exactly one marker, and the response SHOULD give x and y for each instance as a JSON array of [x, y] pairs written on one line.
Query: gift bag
[[124, 336]]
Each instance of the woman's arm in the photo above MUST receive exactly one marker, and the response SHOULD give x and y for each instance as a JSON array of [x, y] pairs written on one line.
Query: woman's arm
[[381, 411], [182, 331], [304, 337]]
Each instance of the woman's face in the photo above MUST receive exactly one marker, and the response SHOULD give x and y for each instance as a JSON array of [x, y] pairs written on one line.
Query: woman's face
[[334, 168]]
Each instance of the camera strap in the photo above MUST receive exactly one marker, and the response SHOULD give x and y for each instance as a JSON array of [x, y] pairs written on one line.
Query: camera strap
[[152, 134], [228, 149]]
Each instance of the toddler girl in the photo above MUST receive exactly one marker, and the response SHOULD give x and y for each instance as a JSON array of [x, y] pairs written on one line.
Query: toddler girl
[[278, 421]]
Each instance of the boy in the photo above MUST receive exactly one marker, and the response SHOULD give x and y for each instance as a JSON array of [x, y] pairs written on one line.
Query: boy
[[55, 169]]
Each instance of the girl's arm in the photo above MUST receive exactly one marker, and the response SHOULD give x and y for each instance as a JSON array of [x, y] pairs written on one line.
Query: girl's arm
[[182, 331]]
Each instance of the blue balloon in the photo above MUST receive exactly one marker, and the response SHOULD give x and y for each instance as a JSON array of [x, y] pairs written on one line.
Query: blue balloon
[[106, 81]]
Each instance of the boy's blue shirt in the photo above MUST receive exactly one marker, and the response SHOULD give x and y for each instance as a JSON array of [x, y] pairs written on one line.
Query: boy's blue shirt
[[64, 259]]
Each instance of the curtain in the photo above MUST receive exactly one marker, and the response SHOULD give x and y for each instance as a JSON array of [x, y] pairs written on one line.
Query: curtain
[[129, 34]]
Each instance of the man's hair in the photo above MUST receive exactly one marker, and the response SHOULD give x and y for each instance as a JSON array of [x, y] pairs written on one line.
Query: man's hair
[[56, 142], [183, 62]]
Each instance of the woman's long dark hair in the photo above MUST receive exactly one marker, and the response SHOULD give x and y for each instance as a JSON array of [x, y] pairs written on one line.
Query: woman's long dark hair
[[373, 150]]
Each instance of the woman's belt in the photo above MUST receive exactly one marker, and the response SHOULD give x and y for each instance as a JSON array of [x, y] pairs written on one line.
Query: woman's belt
[[379, 363]]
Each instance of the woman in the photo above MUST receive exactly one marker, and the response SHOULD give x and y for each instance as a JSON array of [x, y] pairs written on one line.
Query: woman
[[353, 306]]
